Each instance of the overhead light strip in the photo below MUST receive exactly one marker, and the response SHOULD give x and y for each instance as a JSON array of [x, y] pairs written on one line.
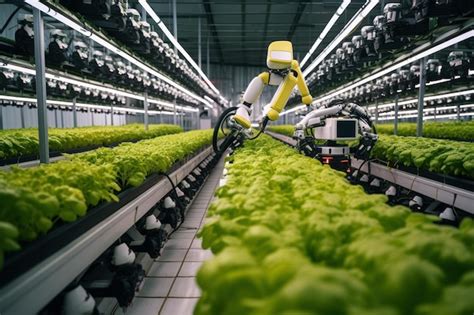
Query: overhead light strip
[[400, 64], [326, 30], [85, 105], [99, 40], [430, 117], [96, 87], [350, 26], [425, 110], [173, 40], [427, 98]]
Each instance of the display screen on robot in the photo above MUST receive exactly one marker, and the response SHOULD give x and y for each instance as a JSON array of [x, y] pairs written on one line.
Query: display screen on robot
[[337, 129]]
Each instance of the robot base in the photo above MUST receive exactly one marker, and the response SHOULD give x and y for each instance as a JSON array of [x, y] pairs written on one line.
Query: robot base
[[336, 156]]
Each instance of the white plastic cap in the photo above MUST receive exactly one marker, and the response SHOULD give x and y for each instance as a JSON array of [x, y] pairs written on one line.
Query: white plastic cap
[[152, 223], [375, 182], [364, 178], [448, 214], [391, 191], [185, 184], [169, 203], [225, 172], [78, 302], [123, 255], [355, 173], [417, 200], [191, 178], [179, 192]]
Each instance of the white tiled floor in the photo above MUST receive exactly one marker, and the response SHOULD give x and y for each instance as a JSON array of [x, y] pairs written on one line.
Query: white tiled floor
[[170, 286]]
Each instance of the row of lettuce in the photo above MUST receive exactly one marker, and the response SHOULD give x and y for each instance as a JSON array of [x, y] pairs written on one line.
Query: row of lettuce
[[454, 158], [461, 131], [17, 143], [291, 236], [33, 199]]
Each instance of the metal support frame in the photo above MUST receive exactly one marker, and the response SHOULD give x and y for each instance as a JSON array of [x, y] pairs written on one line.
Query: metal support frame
[[199, 44], [208, 62], [22, 116], [31, 291], [395, 122], [41, 86], [376, 111], [421, 98], [92, 118], [74, 112], [458, 112], [175, 26], [145, 107], [174, 112], [112, 115]]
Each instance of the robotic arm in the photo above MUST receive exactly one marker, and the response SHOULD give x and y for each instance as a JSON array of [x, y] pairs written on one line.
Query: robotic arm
[[284, 72], [337, 121]]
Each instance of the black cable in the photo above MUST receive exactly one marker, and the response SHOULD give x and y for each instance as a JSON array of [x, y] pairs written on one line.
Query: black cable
[[264, 125], [177, 200]]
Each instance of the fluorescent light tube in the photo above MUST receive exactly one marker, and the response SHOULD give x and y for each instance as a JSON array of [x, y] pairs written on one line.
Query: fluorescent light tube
[[400, 64], [99, 40], [173, 40], [326, 30], [350, 26]]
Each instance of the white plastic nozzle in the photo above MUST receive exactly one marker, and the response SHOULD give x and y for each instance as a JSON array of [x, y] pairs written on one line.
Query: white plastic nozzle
[[78, 302], [179, 192], [375, 182], [186, 184], [122, 255], [192, 179], [448, 214], [169, 203], [416, 201], [391, 191], [152, 223], [364, 179], [222, 182]]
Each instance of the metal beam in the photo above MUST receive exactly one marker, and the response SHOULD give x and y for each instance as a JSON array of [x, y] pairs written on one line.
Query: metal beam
[[212, 27], [242, 28], [41, 87], [421, 98], [265, 29], [296, 19]]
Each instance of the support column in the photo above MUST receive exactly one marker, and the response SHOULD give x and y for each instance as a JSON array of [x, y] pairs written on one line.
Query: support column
[[22, 114], [199, 43], [376, 111], [174, 112], [92, 118], [395, 121], [112, 115], [145, 106], [175, 26], [458, 112], [41, 87], [74, 112], [207, 59], [421, 98]]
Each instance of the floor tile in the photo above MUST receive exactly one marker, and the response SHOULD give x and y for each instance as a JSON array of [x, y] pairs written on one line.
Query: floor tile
[[177, 244], [185, 287], [189, 269], [155, 287], [183, 234], [197, 243], [175, 306], [164, 269], [172, 255], [191, 224], [142, 306], [198, 255]]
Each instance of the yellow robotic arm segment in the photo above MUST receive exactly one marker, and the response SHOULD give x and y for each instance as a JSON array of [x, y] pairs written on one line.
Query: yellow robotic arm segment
[[306, 98], [281, 96]]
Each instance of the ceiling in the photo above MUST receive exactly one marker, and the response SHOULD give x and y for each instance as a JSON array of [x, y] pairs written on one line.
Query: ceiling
[[239, 32]]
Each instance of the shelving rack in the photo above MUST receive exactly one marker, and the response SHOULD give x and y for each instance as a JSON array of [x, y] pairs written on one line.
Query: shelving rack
[[32, 290], [62, 16], [425, 48]]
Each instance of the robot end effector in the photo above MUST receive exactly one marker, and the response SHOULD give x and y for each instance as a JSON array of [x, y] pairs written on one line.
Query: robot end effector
[[283, 71]]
